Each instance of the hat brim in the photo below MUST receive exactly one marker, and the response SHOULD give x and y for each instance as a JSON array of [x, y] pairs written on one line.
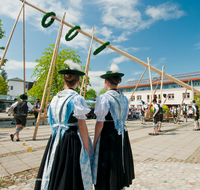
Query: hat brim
[[73, 72], [112, 75]]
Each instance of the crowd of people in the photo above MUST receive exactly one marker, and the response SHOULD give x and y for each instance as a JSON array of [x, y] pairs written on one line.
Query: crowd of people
[[178, 113]]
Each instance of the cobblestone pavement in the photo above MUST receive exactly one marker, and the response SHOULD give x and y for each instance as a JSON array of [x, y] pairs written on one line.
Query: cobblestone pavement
[[170, 160]]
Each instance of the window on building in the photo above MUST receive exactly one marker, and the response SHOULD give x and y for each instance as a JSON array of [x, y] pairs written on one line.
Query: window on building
[[159, 96], [148, 98], [170, 96], [11, 87], [139, 97], [26, 85], [186, 95], [133, 98]]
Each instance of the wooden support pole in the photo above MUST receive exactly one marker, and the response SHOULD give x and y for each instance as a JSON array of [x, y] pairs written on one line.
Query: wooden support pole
[[153, 96], [13, 29], [179, 113], [122, 52], [161, 86], [88, 63], [46, 85], [24, 49], [150, 79], [137, 84], [54, 64]]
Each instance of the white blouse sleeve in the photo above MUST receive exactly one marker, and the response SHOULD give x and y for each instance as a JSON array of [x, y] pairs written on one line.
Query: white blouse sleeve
[[80, 108], [101, 108]]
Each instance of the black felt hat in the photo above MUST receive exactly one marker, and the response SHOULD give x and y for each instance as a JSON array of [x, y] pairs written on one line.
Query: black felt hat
[[113, 72], [23, 97], [72, 68], [154, 100], [164, 95], [193, 101]]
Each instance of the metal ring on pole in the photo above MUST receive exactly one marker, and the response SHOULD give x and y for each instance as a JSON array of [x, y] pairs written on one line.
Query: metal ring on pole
[[45, 17], [99, 49], [67, 38]]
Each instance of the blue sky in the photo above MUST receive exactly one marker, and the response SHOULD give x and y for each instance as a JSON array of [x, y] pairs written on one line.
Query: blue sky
[[168, 32]]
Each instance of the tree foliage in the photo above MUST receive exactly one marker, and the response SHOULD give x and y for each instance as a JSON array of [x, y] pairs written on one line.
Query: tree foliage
[[102, 91], [3, 86], [197, 99], [91, 94], [3, 75], [42, 68]]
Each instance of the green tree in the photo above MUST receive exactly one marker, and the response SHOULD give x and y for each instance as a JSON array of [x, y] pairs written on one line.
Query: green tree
[[102, 91], [42, 68], [197, 99], [91, 94], [3, 86]]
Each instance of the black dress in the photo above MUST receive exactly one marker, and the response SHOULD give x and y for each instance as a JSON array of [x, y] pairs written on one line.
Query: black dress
[[66, 172], [110, 173]]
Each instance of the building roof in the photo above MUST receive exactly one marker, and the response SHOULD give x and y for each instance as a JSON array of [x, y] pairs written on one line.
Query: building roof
[[18, 80], [15, 79], [183, 77]]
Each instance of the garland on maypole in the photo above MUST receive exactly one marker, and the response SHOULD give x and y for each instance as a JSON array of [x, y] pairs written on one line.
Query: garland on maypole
[[45, 17]]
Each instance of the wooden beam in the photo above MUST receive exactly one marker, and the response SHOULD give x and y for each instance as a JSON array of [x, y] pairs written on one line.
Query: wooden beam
[[122, 52], [161, 87], [10, 37], [24, 49], [150, 79], [137, 84], [179, 113], [54, 64], [88, 63], [153, 97], [47, 81]]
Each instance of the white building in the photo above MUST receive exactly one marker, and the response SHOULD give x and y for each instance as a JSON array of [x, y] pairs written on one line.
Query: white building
[[16, 86], [174, 91]]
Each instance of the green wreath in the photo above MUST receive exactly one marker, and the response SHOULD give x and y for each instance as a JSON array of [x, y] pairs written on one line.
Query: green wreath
[[45, 17], [67, 38], [99, 49]]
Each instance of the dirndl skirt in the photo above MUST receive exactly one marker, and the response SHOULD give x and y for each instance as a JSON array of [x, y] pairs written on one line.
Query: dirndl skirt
[[110, 173], [66, 172]]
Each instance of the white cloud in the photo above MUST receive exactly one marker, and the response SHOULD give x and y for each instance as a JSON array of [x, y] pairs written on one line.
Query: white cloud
[[95, 80], [137, 72], [165, 11], [120, 14], [11, 9], [122, 37], [120, 59], [18, 65], [197, 46], [131, 79], [106, 32]]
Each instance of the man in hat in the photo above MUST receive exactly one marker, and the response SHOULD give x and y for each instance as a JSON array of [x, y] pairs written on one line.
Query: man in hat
[[160, 115], [15, 111], [155, 118], [143, 113], [37, 106], [196, 115], [184, 109], [22, 110]]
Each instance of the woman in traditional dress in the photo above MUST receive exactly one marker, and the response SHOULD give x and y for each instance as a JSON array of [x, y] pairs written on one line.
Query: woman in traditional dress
[[66, 161], [113, 165]]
